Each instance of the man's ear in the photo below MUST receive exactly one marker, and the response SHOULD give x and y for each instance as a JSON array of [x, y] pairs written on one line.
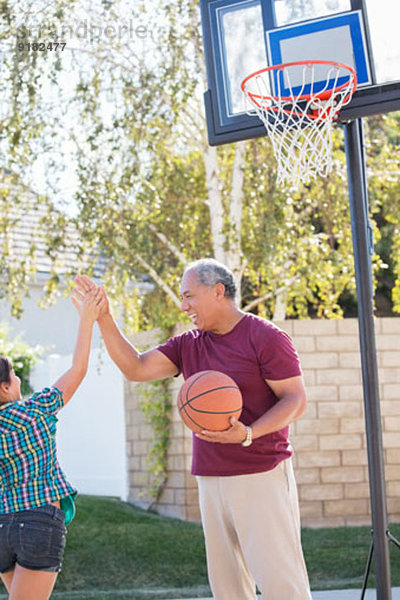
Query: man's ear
[[220, 291]]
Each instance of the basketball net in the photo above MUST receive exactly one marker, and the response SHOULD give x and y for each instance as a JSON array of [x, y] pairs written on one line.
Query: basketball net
[[298, 111]]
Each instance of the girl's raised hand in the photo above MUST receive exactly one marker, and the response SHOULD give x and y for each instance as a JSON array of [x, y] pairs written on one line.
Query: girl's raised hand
[[91, 304], [84, 285]]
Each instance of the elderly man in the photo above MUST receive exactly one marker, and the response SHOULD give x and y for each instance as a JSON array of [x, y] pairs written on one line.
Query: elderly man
[[247, 492]]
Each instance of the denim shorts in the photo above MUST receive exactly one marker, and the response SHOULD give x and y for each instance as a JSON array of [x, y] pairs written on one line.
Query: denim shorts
[[34, 538]]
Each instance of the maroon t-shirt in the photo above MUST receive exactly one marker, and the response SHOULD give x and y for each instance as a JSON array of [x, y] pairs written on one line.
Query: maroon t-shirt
[[254, 350]]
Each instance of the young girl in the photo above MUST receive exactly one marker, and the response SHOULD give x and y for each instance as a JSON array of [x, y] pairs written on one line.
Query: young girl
[[36, 500]]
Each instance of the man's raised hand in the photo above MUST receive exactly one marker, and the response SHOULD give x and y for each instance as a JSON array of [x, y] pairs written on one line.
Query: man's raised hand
[[84, 286]]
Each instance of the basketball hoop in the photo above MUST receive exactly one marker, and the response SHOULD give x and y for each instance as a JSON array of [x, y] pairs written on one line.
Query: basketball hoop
[[298, 103]]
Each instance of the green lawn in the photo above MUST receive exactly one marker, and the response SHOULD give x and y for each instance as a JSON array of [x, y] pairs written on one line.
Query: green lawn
[[112, 545], [119, 552], [336, 558]]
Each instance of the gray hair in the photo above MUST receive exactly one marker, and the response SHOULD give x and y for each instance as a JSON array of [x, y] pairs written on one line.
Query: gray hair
[[209, 272]]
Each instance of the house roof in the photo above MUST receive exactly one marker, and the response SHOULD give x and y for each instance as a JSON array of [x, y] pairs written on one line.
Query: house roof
[[27, 222], [27, 225]]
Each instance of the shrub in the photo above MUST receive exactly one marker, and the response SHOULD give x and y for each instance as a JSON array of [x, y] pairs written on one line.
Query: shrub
[[22, 356]]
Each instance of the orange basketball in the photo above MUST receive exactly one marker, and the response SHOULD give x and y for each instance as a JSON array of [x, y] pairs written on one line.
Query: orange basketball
[[208, 399]]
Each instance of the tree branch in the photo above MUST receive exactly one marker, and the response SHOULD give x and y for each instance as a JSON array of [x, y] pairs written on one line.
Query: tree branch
[[216, 209], [269, 295], [158, 280], [169, 245]]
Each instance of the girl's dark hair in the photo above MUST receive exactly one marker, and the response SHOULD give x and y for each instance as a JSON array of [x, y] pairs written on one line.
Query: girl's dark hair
[[5, 369]]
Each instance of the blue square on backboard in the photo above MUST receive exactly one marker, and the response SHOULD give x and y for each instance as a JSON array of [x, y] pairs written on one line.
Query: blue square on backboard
[[338, 38]]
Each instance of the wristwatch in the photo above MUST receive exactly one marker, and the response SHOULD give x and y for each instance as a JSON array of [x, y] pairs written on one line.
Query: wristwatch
[[249, 437]]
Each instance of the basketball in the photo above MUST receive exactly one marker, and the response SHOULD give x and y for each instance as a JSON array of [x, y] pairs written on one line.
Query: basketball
[[208, 399]]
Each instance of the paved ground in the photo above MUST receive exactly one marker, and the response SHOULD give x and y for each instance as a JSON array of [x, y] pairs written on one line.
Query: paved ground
[[341, 595]]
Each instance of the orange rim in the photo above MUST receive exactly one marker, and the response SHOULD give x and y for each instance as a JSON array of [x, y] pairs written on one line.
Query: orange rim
[[324, 95]]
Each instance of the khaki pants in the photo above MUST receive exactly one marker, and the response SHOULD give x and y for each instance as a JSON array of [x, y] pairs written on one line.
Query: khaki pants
[[252, 530]]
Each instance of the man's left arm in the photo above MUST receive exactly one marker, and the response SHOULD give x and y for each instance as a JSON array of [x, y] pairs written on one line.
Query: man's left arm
[[290, 406]]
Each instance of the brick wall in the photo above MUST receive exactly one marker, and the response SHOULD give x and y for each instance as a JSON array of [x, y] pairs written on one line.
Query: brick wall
[[179, 497], [329, 440]]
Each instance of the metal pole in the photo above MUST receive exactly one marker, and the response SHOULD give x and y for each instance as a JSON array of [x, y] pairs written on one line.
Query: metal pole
[[362, 262]]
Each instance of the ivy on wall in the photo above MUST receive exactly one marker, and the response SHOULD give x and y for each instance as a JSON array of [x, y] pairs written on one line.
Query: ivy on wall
[[155, 404]]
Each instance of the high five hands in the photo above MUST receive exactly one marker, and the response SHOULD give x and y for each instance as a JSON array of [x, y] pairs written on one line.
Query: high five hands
[[84, 286], [91, 304]]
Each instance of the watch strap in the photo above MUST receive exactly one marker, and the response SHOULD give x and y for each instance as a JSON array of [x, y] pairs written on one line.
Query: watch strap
[[249, 437]]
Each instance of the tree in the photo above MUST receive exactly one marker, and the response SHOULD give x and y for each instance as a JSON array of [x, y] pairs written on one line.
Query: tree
[[153, 195], [383, 150]]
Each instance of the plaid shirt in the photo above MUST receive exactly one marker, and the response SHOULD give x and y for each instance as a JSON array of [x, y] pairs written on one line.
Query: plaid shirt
[[30, 475]]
